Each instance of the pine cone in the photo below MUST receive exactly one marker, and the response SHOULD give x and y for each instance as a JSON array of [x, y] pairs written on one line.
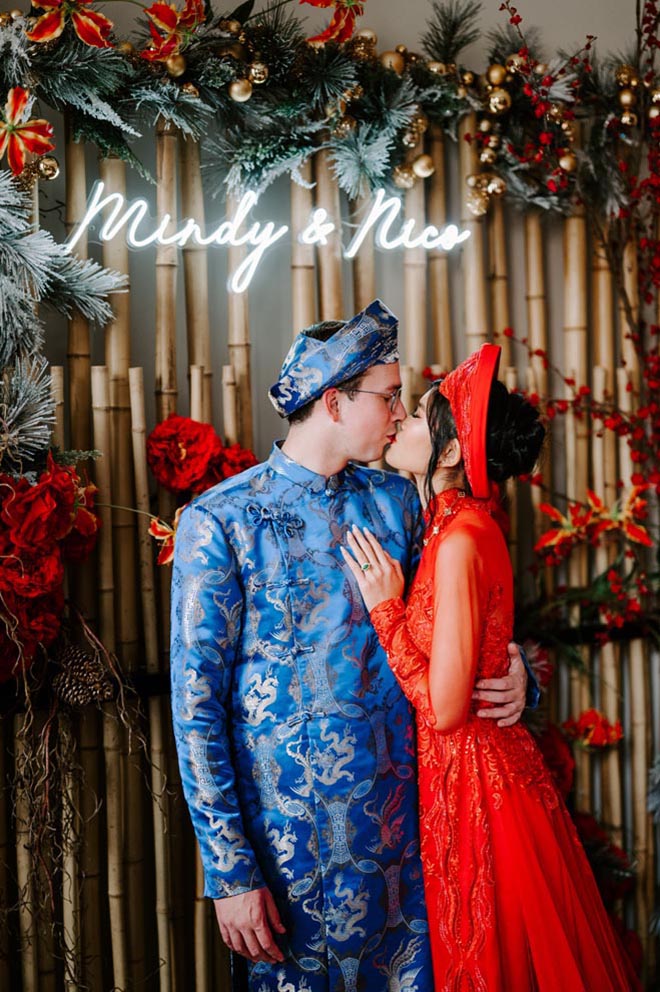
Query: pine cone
[[82, 678]]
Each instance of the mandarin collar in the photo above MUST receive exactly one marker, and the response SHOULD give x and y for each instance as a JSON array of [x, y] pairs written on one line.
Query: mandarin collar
[[284, 465]]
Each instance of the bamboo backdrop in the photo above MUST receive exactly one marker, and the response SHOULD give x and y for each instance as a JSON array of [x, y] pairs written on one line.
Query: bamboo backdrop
[[148, 895]]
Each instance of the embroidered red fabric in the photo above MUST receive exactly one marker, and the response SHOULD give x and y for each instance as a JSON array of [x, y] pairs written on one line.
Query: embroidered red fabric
[[513, 906], [467, 388]]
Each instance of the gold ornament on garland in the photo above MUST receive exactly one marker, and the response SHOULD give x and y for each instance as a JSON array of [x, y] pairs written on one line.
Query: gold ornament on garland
[[175, 65], [410, 139], [496, 185], [488, 156], [568, 161], [48, 167], [626, 75], [499, 101], [496, 74], [344, 126], [258, 73], [240, 90], [394, 61], [190, 90], [477, 202], [403, 177], [655, 96], [467, 78], [423, 166], [627, 98], [368, 35], [653, 112], [231, 27], [437, 68], [514, 63], [629, 119]]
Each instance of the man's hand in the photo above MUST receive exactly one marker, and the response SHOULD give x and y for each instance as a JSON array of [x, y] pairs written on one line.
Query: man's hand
[[508, 694], [247, 922]]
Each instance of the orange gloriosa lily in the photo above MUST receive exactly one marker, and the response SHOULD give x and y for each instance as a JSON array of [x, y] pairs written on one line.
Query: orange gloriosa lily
[[91, 27], [18, 137], [170, 28], [342, 24], [165, 535]]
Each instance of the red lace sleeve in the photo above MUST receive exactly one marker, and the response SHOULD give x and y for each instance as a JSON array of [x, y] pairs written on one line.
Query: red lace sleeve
[[409, 664]]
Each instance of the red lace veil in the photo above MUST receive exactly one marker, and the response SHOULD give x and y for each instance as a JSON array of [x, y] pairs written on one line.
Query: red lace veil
[[467, 388]]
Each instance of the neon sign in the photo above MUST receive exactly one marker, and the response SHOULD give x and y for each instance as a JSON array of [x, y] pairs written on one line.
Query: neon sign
[[257, 237]]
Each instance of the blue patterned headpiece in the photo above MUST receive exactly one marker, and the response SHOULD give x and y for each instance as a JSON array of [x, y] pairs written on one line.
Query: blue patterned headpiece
[[313, 366]]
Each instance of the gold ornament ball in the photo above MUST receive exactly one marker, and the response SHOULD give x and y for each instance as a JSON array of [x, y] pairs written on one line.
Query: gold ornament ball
[[175, 65], [344, 126], [233, 27], [487, 156], [410, 139], [258, 73], [15, 14], [401, 49], [190, 90], [627, 98], [628, 118], [496, 74], [403, 177], [655, 96], [412, 58], [477, 202], [394, 61], [437, 68], [625, 75], [368, 35], [556, 112], [472, 180], [49, 167], [485, 125], [496, 186], [423, 166], [420, 123], [653, 113], [468, 78], [499, 101], [568, 162], [541, 68], [514, 63], [240, 90], [494, 141]]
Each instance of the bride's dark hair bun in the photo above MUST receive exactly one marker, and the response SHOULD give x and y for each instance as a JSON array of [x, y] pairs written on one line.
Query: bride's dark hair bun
[[514, 434]]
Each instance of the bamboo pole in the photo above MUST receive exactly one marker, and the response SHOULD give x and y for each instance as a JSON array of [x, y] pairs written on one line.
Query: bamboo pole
[[640, 727], [604, 480], [475, 295], [629, 356], [166, 271], [112, 738], [329, 256], [229, 405], [407, 386], [364, 263], [78, 343], [150, 626], [414, 292], [537, 322], [602, 312], [71, 930], [196, 392], [443, 349], [117, 360], [5, 854], [91, 855], [195, 272], [303, 273], [239, 343], [24, 868], [57, 394], [499, 277]]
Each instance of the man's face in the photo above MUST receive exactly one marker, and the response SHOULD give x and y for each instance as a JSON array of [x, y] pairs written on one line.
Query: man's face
[[369, 417]]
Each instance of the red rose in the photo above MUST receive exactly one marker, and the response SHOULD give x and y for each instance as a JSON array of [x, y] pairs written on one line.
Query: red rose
[[39, 515], [31, 575], [179, 451], [225, 463]]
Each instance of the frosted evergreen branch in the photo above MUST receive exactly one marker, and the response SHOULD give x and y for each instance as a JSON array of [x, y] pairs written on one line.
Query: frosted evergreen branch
[[83, 285], [362, 160], [27, 413], [21, 332], [452, 27]]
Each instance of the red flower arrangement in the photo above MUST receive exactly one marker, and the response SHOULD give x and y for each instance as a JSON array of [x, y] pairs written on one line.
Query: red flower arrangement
[[18, 136], [42, 525], [91, 27], [592, 729], [342, 24]]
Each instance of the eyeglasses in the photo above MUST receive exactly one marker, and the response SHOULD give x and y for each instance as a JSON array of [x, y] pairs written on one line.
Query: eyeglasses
[[393, 398]]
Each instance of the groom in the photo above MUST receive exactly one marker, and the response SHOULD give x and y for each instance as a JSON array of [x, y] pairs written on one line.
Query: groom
[[295, 743]]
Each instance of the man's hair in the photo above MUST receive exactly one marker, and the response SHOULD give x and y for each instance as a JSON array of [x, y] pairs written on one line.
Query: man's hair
[[322, 332]]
